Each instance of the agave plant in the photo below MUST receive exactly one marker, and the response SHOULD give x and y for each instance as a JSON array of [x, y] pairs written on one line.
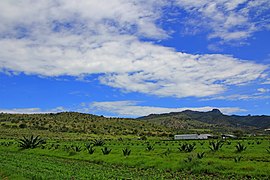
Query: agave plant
[[182, 147], [149, 147], [229, 142], [126, 151], [215, 146], [31, 142], [106, 150], [187, 147], [98, 142], [201, 143], [89, 148], [238, 159], [240, 147], [77, 148], [188, 159], [200, 155]]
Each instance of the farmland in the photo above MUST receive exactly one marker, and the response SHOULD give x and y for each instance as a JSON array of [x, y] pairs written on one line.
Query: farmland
[[148, 159], [150, 153]]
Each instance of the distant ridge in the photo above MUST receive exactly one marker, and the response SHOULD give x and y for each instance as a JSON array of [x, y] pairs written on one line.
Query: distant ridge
[[187, 121], [210, 119]]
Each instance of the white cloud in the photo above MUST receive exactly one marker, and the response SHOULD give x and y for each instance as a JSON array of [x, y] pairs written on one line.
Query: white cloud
[[132, 109], [79, 38], [267, 81], [236, 97], [263, 90], [32, 110], [227, 19], [120, 108]]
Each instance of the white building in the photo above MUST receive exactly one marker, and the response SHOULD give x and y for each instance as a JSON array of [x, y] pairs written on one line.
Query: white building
[[192, 136]]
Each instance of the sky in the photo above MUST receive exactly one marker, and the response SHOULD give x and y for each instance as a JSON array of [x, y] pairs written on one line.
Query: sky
[[131, 58]]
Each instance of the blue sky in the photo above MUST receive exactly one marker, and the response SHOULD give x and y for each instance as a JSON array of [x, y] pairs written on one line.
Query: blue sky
[[130, 58]]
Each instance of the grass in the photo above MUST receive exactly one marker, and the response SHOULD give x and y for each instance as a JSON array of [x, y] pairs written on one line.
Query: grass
[[164, 158], [77, 153], [28, 165]]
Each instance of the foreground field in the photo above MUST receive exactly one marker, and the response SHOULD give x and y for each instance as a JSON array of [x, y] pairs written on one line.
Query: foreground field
[[148, 159]]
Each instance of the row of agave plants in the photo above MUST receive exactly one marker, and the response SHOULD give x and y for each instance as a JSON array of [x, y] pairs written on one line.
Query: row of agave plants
[[33, 142]]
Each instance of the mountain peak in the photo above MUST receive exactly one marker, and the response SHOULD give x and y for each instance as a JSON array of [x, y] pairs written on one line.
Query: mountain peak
[[216, 111]]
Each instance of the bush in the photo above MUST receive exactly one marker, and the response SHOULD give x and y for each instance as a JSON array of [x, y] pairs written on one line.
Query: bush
[[22, 126], [31, 142]]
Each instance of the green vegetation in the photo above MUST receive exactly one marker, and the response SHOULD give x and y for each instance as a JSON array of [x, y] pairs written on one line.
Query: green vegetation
[[240, 147], [215, 146], [200, 155], [187, 147], [126, 151], [106, 150], [72, 122], [31, 142], [147, 154], [89, 148], [98, 142], [200, 122]]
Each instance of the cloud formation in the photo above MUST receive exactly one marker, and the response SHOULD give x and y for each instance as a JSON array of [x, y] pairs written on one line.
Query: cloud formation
[[32, 110], [80, 38], [227, 19], [133, 109]]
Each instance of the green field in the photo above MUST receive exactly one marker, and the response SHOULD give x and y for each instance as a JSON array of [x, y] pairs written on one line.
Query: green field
[[69, 159], [70, 152]]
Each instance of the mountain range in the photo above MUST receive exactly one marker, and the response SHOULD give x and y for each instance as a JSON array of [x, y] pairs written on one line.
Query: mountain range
[[213, 120]]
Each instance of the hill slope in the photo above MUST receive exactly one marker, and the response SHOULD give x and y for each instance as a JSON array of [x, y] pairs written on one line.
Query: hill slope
[[214, 120], [81, 123]]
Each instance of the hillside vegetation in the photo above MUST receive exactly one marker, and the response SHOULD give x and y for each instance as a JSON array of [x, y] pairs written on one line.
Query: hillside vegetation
[[213, 120], [72, 122], [160, 125]]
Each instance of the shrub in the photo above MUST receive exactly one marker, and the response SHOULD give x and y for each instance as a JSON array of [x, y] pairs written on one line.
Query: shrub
[[31, 142], [98, 142], [215, 146], [240, 147], [22, 126], [106, 151], [126, 151], [144, 138]]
